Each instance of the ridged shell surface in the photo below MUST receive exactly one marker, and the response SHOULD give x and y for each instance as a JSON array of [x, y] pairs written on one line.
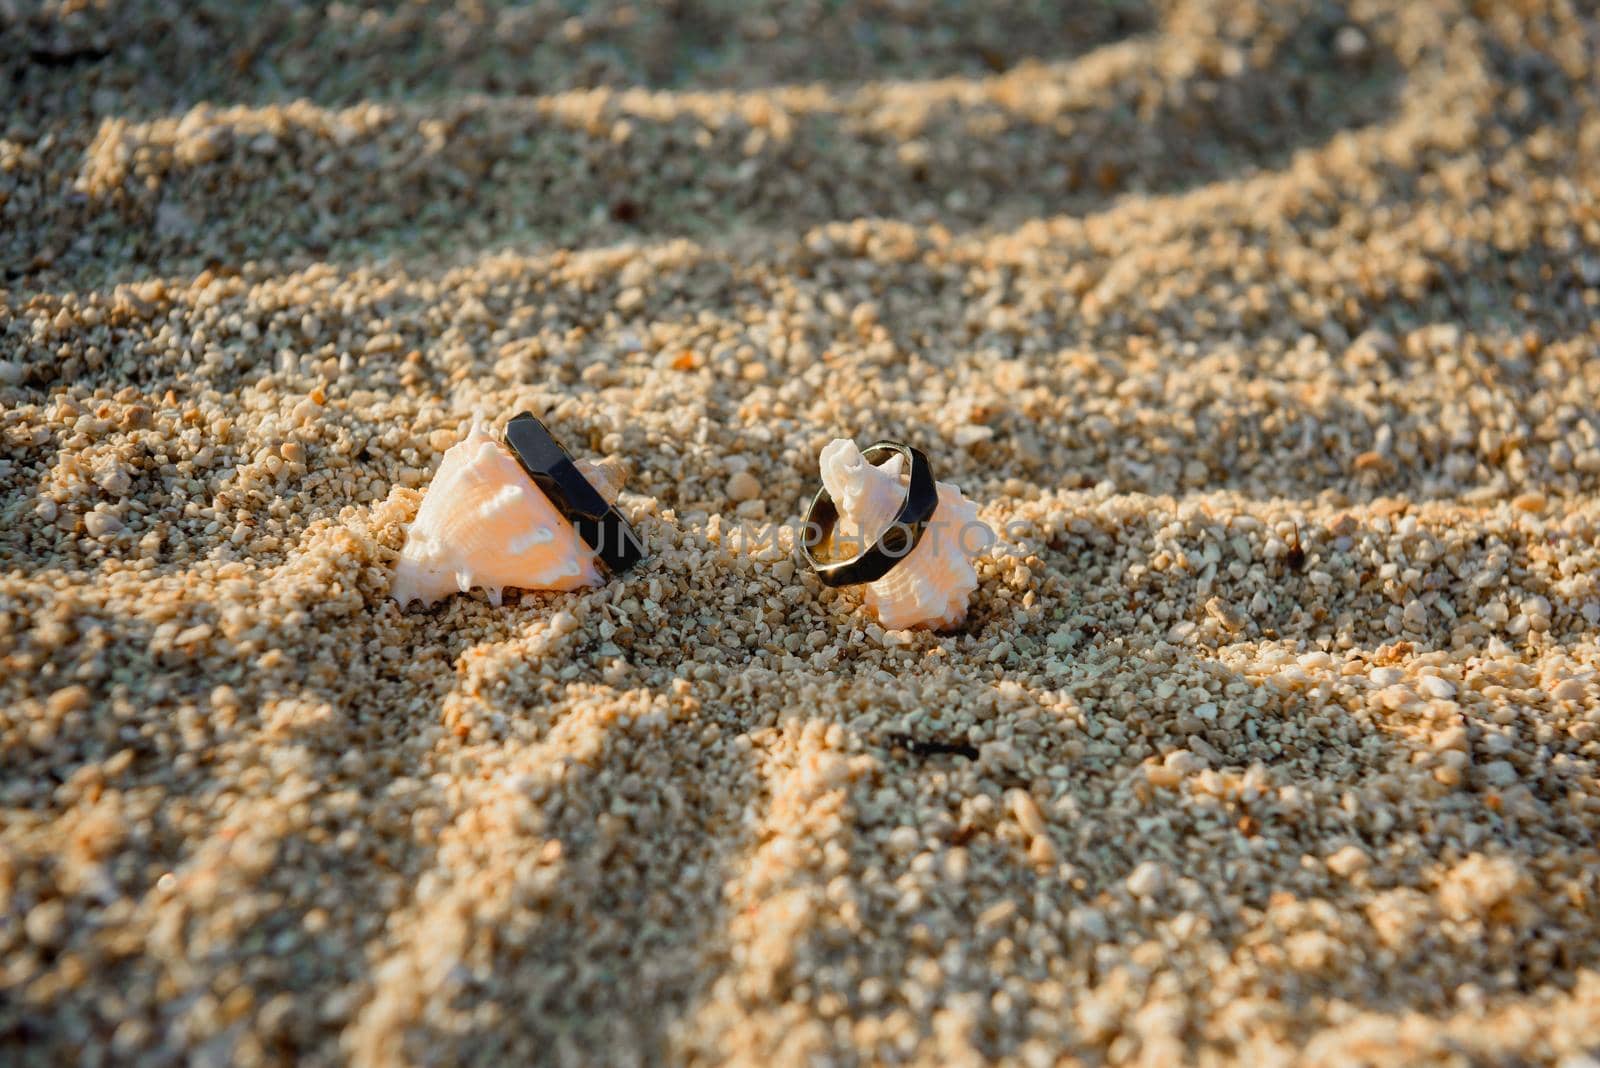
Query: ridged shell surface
[[931, 586], [483, 522]]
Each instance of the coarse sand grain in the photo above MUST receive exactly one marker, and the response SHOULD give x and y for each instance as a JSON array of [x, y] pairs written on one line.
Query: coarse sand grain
[[1266, 332]]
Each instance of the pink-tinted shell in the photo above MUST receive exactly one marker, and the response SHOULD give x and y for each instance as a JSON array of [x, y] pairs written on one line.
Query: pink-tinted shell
[[483, 522], [932, 585]]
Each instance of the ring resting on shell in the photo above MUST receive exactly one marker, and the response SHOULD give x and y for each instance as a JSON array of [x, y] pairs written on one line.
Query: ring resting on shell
[[930, 585], [485, 522]]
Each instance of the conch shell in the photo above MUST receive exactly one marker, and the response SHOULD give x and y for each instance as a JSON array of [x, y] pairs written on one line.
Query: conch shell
[[931, 585], [484, 522]]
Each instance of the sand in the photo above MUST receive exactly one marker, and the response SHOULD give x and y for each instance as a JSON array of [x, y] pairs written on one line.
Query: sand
[[1266, 331]]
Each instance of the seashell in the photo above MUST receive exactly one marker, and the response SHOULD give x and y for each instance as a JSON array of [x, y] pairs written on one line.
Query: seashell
[[931, 585], [484, 522]]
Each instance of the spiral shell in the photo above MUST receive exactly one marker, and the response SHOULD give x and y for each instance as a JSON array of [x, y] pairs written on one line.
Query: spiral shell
[[484, 522], [931, 586]]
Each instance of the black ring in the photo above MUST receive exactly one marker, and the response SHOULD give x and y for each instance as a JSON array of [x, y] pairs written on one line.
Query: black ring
[[550, 466], [898, 538]]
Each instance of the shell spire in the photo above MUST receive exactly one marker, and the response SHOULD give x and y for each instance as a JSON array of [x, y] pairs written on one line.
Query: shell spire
[[931, 586], [483, 522]]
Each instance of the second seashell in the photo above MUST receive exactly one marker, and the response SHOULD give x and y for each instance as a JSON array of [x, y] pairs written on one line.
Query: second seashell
[[931, 586], [483, 522]]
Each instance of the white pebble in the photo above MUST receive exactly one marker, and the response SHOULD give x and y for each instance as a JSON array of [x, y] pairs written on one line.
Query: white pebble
[[1396, 697], [1568, 690], [1347, 861], [1437, 688], [1385, 676], [1147, 880], [115, 481], [1026, 810], [744, 487], [1183, 762], [1500, 773], [99, 524]]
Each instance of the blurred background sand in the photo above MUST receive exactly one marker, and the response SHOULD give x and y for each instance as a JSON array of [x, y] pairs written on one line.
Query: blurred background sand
[[1272, 733]]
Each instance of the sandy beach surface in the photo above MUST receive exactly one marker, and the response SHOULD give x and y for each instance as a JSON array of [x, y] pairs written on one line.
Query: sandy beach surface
[[1266, 330]]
